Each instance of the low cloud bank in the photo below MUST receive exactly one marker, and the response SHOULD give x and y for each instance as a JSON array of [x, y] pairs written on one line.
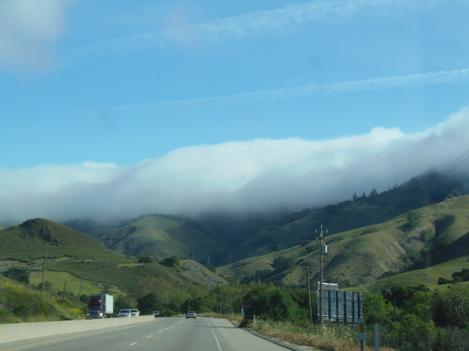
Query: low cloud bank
[[254, 175]]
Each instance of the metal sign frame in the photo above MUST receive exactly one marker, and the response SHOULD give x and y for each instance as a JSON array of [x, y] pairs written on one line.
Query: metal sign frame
[[341, 306]]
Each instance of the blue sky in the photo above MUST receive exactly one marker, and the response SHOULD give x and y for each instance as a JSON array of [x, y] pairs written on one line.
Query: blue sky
[[114, 109], [126, 81]]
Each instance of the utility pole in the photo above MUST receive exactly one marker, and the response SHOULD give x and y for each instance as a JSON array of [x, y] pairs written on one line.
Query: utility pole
[[308, 281], [65, 288], [321, 274], [81, 288], [44, 269], [208, 262]]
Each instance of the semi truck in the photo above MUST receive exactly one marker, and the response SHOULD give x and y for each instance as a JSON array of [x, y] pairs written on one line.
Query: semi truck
[[100, 306]]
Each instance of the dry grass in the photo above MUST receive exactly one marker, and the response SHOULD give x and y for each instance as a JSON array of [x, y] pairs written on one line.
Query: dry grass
[[329, 338]]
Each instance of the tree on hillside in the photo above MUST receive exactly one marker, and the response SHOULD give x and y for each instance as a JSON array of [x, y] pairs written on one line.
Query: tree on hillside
[[20, 275], [171, 261], [147, 303], [282, 262]]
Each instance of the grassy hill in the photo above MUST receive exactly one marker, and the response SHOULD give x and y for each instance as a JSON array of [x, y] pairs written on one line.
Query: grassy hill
[[155, 235], [20, 303], [433, 239], [27, 241], [360, 211], [426, 276], [86, 266]]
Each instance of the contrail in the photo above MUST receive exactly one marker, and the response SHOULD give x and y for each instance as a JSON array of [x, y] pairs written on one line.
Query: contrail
[[345, 87]]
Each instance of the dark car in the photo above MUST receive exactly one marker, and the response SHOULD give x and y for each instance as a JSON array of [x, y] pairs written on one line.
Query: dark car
[[191, 314]]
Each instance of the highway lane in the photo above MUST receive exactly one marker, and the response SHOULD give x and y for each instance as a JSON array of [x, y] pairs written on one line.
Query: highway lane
[[170, 334]]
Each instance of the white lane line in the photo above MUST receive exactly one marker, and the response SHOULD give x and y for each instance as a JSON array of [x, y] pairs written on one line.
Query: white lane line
[[160, 332], [150, 336], [134, 343], [216, 340]]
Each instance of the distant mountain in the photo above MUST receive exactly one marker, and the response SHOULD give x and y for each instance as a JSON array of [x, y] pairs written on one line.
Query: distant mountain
[[360, 211], [28, 240], [431, 241], [154, 235], [225, 237]]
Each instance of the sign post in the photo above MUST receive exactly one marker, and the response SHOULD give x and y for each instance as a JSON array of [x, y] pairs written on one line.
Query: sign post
[[377, 337], [361, 332]]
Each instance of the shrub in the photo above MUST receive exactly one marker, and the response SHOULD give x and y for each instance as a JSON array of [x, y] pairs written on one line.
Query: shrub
[[20, 275], [282, 262], [411, 333], [462, 276], [453, 339], [376, 309], [452, 307], [172, 261], [443, 281], [270, 302], [146, 259]]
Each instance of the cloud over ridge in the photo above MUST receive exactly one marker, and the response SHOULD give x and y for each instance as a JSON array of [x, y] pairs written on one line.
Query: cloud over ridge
[[260, 174]]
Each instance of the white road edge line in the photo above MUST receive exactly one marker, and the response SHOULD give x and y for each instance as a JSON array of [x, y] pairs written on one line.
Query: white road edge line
[[216, 340]]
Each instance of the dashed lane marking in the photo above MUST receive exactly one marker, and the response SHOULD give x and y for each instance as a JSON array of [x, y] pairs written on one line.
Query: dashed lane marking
[[216, 340], [134, 343]]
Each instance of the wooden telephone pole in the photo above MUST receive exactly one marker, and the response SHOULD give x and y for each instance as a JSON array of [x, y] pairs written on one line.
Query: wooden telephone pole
[[308, 284], [321, 274], [44, 269]]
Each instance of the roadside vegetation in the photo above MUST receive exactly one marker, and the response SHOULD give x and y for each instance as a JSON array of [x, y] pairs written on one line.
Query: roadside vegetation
[[19, 303]]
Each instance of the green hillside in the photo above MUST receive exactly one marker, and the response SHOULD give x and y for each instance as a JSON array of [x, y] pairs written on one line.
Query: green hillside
[[435, 234], [27, 241], [426, 276], [155, 235], [19, 303], [85, 266], [358, 212]]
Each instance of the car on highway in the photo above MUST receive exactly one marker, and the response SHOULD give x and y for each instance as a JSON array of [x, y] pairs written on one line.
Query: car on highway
[[156, 313], [125, 313], [191, 314], [134, 312]]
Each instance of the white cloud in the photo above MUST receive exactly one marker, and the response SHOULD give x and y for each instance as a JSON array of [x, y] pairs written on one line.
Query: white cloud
[[28, 30], [260, 174]]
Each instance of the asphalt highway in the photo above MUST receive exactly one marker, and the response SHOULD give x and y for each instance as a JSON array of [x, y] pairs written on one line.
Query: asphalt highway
[[169, 334]]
